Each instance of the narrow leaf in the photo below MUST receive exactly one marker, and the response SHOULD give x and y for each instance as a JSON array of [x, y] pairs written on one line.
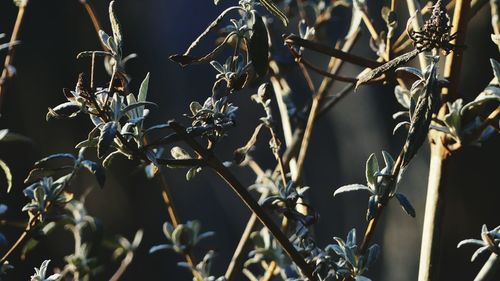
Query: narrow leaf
[[108, 133], [273, 9], [8, 174], [143, 90], [405, 204], [349, 188], [386, 67]]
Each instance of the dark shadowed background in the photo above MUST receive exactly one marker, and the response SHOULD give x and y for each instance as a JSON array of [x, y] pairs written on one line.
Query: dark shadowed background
[[55, 31]]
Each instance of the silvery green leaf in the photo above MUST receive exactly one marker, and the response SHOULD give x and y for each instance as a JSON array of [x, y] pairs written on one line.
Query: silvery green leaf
[[43, 161], [337, 249], [496, 39], [8, 174], [218, 66], [168, 229], [107, 136], [405, 204], [3, 209], [388, 160], [271, 7], [471, 241], [143, 89], [362, 278], [386, 67], [402, 96], [405, 124], [88, 143], [179, 153], [3, 133], [371, 169], [412, 71], [160, 247], [373, 253], [478, 252], [109, 159], [195, 107], [351, 237], [192, 172], [137, 105], [206, 235], [104, 38], [401, 114], [496, 69], [96, 169], [349, 188], [85, 54], [350, 256], [357, 17], [115, 26], [64, 110], [372, 207]]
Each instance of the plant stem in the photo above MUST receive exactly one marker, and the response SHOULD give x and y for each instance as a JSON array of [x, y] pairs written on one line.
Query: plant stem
[[247, 198], [489, 268], [237, 255], [432, 234], [9, 58], [95, 21], [123, 266], [417, 23]]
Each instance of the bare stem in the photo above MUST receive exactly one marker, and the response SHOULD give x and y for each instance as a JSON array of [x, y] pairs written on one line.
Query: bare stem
[[123, 266], [489, 268], [9, 58], [432, 236]]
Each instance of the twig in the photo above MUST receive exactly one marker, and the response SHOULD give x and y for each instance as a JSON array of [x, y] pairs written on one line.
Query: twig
[[237, 255], [9, 58], [123, 266], [489, 268], [320, 48], [247, 198], [93, 18], [431, 236], [417, 23]]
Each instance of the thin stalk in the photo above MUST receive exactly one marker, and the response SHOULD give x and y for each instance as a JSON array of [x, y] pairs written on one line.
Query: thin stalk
[[247, 198], [495, 18], [432, 234], [489, 268], [9, 58], [93, 18], [417, 23], [237, 255], [123, 266], [369, 25], [315, 108]]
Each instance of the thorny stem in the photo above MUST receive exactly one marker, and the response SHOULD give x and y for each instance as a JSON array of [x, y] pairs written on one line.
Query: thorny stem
[[247, 198], [431, 235], [489, 268], [9, 58]]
